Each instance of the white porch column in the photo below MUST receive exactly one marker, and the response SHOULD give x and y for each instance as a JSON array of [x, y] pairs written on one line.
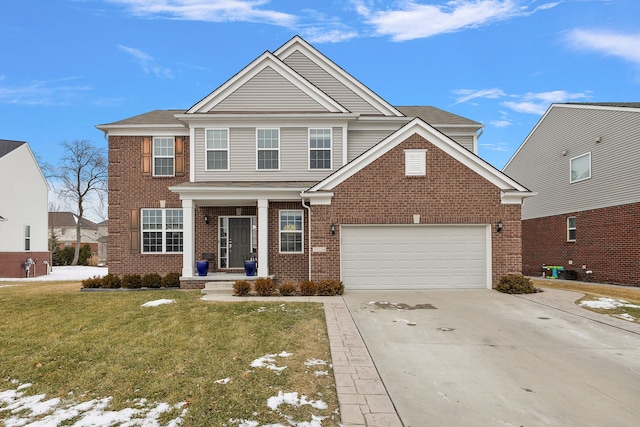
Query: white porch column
[[263, 237], [188, 240]]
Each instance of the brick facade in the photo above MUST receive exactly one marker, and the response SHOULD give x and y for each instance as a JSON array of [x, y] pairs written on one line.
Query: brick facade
[[12, 264], [607, 244]]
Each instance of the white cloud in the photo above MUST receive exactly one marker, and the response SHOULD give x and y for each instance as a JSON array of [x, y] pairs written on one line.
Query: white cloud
[[469, 94], [210, 10], [539, 102], [146, 62], [625, 46], [498, 146], [322, 35], [500, 123], [40, 92], [414, 20]]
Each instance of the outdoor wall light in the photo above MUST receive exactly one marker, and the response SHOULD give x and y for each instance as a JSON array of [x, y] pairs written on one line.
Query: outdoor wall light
[[499, 226], [333, 228], [206, 219]]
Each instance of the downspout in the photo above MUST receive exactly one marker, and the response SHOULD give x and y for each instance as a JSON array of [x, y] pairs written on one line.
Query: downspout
[[308, 208]]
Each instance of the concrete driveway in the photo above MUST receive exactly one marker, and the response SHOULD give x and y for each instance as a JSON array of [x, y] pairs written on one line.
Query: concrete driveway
[[482, 358]]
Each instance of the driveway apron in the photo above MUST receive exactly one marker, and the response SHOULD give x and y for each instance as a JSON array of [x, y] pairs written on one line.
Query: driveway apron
[[482, 358]]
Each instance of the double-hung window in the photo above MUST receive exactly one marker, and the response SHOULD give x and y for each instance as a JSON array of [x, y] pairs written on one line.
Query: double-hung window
[[268, 147], [571, 229], [217, 146], [580, 168], [319, 148], [162, 230], [163, 156], [291, 231], [27, 237]]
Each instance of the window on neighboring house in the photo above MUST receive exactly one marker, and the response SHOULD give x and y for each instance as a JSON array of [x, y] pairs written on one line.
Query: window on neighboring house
[[268, 145], [291, 231], [580, 167], [217, 146], [319, 148], [27, 237], [162, 230], [163, 156], [571, 229]]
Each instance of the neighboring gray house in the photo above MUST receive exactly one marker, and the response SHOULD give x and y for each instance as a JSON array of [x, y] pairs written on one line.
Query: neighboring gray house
[[583, 160], [62, 225]]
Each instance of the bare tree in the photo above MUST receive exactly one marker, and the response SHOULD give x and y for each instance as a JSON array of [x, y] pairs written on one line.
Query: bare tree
[[83, 172]]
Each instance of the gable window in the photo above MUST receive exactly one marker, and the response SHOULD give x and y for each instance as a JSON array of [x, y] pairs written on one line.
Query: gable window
[[217, 146], [268, 147], [580, 167], [571, 229], [162, 230], [415, 162], [291, 231], [319, 148], [163, 155], [27, 237]]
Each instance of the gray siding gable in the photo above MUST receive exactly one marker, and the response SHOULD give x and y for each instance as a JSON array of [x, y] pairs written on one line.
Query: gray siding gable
[[542, 163]]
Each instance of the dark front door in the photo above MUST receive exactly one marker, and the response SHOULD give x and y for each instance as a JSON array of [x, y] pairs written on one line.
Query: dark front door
[[239, 241]]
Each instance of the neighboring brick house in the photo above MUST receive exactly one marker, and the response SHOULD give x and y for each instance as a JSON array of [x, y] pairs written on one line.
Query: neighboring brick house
[[23, 212], [583, 161], [63, 225], [296, 163]]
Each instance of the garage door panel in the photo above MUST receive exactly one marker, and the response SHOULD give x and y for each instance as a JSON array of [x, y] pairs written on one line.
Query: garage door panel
[[413, 257]]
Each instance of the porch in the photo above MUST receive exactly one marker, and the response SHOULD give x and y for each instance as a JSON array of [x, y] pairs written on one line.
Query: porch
[[217, 278]]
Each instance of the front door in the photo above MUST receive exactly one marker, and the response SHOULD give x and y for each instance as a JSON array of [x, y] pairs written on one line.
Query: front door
[[239, 241]]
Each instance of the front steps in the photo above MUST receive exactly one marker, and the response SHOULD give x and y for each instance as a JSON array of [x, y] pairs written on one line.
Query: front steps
[[218, 288]]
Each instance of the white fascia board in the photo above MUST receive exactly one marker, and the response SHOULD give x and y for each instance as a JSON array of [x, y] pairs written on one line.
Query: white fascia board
[[435, 137], [266, 60], [146, 130], [318, 198], [299, 44], [204, 193]]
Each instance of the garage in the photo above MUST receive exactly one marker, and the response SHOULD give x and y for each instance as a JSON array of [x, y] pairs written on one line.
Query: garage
[[415, 256]]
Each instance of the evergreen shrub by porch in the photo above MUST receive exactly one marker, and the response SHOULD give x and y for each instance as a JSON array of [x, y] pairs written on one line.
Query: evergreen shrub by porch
[[111, 281], [92, 283], [287, 288], [241, 288], [307, 288], [330, 287], [152, 280], [264, 286], [171, 280], [131, 281], [516, 284]]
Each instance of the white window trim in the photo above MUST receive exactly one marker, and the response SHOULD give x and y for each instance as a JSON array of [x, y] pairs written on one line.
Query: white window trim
[[207, 149], [571, 180], [163, 230], [269, 149], [330, 150], [280, 231], [154, 157], [413, 157], [569, 228]]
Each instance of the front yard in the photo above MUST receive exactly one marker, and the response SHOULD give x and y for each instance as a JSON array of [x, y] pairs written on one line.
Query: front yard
[[73, 358]]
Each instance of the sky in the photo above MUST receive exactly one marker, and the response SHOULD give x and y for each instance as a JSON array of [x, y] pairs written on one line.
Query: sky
[[69, 65]]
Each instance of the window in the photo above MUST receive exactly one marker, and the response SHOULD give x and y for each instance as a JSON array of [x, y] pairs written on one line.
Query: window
[[319, 148], [571, 229], [581, 167], [163, 154], [162, 230], [27, 237], [291, 231], [217, 146], [415, 162], [268, 149]]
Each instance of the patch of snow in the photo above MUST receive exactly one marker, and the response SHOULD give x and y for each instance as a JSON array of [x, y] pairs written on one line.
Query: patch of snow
[[158, 302], [63, 273], [625, 316], [321, 373], [223, 381], [268, 361], [608, 303], [292, 399], [314, 362]]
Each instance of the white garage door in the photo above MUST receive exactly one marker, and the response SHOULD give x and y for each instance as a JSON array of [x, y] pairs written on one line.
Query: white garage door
[[414, 257]]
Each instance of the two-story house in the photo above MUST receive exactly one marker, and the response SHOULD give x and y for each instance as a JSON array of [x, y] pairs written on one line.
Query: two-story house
[[296, 163], [23, 212], [583, 160], [63, 226]]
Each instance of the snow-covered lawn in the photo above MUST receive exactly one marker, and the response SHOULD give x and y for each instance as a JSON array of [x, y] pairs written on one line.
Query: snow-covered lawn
[[611, 304]]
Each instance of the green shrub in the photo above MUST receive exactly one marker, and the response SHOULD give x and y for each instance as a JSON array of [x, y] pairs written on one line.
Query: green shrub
[[330, 287], [92, 283], [171, 280], [516, 284], [287, 288], [131, 281], [307, 288], [111, 281], [241, 288], [264, 286], [63, 256], [152, 280], [85, 254]]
